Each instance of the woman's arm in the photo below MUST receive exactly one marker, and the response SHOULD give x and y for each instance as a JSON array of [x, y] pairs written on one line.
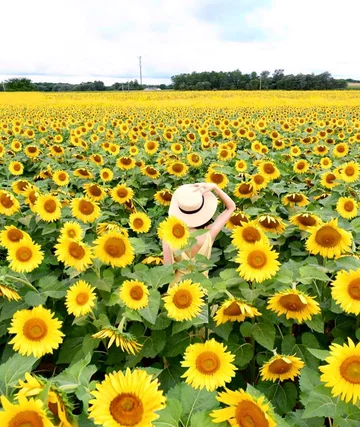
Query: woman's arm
[[167, 253], [224, 217]]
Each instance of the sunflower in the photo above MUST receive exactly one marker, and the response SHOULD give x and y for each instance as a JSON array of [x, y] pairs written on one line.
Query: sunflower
[[85, 209], [350, 172], [259, 182], [270, 223], [325, 163], [71, 230], [163, 197], [240, 166], [104, 227], [153, 260], [294, 304], [301, 166], [26, 413], [150, 172], [16, 168], [346, 291], [218, 178], [235, 310], [151, 147], [80, 298], [184, 301], [238, 218], [328, 180], [139, 222], [268, 170], [245, 190], [36, 332], [129, 399], [94, 192], [295, 199], [114, 248], [48, 208], [342, 371], [124, 340], [209, 365], [106, 174], [9, 292], [134, 294], [121, 193], [243, 410], [248, 233], [57, 401], [281, 367], [329, 240], [20, 186], [8, 203], [257, 262], [305, 220], [83, 173], [24, 256], [347, 207], [194, 159], [31, 194], [11, 235], [177, 168], [174, 231], [125, 163], [74, 254], [61, 178], [340, 150]]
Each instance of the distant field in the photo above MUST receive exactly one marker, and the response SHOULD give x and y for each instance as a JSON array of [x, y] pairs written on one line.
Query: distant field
[[354, 86]]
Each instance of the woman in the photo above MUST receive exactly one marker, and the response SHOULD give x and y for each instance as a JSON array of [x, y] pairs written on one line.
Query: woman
[[195, 204]]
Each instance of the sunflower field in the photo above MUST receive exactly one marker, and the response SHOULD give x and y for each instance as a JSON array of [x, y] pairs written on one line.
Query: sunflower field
[[93, 329]]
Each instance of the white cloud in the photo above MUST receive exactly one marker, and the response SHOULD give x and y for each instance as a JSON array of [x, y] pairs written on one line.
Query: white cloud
[[79, 40]]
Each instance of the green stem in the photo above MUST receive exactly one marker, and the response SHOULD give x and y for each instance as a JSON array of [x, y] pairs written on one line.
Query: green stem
[[121, 324], [357, 323], [22, 281], [252, 342], [139, 204], [229, 294]]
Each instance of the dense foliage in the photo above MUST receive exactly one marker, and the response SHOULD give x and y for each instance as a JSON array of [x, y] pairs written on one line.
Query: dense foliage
[[92, 334]]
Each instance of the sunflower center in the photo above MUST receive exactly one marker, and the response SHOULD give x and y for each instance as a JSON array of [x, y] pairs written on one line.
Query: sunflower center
[[76, 251], [328, 237], [50, 206], [82, 298], [349, 206], [269, 168], [126, 161], [178, 231], [6, 201], [207, 363], [151, 145], [248, 414], [292, 302], [127, 409], [95, 191], [122, 193], [71, 233], [251, 234], [258, 179], [306, 220], [256, 259], [217, 178], [62, 176], [85, 207], [35, 329], [167, 196], [177, 167], [350, 369], [330, 177], [26, 419], [136, 293], [301, 165], [115, 247], [138, 223], [105, 175], [268, 222], [15, 235], [17, 167], [182, 299], [295, 198], [150, 170], [23, 254], [354, 289], [244, 188], [232, 310], [279, 366], [349, 170]]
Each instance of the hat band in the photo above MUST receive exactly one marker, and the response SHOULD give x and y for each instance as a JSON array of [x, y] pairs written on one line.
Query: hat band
[[195, 210]]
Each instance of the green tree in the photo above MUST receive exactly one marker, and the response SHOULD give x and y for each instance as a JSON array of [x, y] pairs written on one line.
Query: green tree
[[21, 84]]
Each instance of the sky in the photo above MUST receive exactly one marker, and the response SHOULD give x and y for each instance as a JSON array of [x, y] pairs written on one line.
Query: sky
[[85, 40]]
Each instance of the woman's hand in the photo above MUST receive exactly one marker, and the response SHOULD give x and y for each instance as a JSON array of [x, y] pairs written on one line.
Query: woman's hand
[[204, 187]]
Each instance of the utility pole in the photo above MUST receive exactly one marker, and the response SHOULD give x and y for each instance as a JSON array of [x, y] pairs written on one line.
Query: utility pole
[[3, 84], [260, 81], [140, 70]]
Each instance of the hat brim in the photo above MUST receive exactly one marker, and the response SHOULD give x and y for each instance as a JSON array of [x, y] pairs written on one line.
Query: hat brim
[[199, 218]]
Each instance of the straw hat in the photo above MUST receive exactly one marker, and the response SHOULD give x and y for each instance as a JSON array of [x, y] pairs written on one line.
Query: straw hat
[[191, 206]]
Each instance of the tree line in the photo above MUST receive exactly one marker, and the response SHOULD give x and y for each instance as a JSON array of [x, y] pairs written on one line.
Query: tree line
[[236, 80], [24, 84]]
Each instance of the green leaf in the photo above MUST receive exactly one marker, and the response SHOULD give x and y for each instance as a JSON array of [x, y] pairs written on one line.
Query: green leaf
[[319, 354], [78, 373], [162, 322], [201, 319], [264, 334], [316, 323], [308, 380], [13, 370], [35, 298], [150, 312], [104, 284], [192, 400], [284, 276], [51, 287], [294, 419], [159, 276], [170, 416], [171, 376], [308, 274], [351, 420], [71, 350], [322, 404], [282, 395], [243, 353], [203, 419], [177, 344]]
